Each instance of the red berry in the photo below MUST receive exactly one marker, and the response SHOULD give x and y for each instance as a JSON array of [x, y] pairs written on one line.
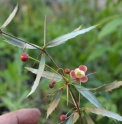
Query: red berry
[[53, 82], [67, 70], [24, 57], [51, 85], [63, 117]]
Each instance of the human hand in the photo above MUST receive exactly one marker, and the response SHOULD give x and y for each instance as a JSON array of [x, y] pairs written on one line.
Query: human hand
[[22, 116]]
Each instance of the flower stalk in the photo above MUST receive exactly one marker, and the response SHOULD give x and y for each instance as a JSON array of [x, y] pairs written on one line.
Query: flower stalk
[[73, 96]]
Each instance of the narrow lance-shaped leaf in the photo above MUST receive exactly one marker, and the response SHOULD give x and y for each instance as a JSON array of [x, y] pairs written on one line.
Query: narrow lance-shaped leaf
[[73, 118], [88, 119], [104, 112], [64, 38], [108, 87], [70, 120], [46, 74], [88, 95], [19, 43], [11, 16], [105, 87], [39, 74], [54, 103]]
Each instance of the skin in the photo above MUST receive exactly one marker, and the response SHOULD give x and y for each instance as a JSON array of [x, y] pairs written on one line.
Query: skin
[[22, 116]]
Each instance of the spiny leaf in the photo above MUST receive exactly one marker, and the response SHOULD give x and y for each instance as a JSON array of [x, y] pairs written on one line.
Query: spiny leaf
[[64, 38], [19, 43], [88, 118], [11, 16], [39, 74], [46, 74], [88, 95], [54, 103], [104, 112]]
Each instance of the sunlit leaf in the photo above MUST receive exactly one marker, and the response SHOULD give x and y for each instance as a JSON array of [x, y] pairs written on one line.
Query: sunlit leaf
[[88, 95], [64, 38], [39, 74], [19, 43], [88, 118], [11, 16], [104, 112], [54, 103], [46, 74]]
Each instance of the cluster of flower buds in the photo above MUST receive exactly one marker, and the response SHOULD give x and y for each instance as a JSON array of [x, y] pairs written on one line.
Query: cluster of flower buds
[[51, 85]]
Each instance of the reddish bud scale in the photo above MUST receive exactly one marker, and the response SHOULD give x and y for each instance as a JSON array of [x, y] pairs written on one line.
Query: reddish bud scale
[[67, 70], [24, 57], [63, 117]]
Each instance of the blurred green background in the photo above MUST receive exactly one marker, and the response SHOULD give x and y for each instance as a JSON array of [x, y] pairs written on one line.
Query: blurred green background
[[100, 50]]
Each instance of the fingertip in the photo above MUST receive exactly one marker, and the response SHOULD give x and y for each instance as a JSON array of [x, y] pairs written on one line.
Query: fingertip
[[28, 116], [37, 111]]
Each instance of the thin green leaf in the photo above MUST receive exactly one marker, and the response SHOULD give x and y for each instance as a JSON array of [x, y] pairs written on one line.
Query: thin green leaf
[[54, 103], [88, 95], [98, 52], [110, 27], [19, 43], [88, 118], [46, 74], [45, 31], [11, 16], [118, 69], [64, 38], [104, 112], [39, 74]]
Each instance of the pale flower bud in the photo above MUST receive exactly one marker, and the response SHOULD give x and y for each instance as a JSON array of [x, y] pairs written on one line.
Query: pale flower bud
[[79, 73]]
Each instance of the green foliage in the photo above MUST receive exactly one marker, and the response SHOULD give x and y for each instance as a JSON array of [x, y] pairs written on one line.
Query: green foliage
[[100, 49], [110, 28]]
